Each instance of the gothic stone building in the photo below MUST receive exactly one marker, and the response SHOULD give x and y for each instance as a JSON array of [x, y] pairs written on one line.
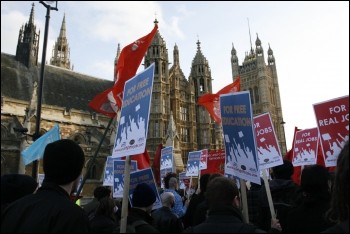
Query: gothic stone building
[[175, 118]]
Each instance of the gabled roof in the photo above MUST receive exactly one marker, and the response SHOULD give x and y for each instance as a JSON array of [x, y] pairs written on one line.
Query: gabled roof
[[62, 87]]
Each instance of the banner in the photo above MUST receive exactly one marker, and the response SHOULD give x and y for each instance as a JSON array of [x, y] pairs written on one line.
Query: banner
[[166, 158], [268, 149], [133, 124], [239, 136], [333, 126], [108, 175], [192, 168], [118, 176], [144, 176], [203, 160], [215, 162], [305, 147]]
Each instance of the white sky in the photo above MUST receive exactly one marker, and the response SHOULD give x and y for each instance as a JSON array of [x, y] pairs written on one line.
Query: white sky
[[310, 41]]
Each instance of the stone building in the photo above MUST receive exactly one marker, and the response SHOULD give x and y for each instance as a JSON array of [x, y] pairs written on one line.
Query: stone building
[[174, 117]]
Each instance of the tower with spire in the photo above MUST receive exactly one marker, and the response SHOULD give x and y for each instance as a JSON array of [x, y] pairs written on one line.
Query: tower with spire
[[201, 80], [262, 82], [28, 43], [61, 51]]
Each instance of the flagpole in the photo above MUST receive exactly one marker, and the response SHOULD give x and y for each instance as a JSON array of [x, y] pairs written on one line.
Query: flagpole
[[244, 201], [268, 193], [125, 202], [93, 160]]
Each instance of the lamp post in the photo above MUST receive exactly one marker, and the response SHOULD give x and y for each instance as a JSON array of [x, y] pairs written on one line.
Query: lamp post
[[283, 143], [50, 5]]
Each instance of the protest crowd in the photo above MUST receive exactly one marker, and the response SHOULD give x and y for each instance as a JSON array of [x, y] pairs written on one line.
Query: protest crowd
[[292, 195], [318, 203]]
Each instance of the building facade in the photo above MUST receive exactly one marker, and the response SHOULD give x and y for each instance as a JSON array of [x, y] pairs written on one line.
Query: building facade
[[174, 113]]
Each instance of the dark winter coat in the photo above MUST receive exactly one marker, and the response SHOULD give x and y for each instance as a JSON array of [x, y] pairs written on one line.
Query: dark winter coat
[[166, 221], [138, 214], [49, 210], [223, 219]]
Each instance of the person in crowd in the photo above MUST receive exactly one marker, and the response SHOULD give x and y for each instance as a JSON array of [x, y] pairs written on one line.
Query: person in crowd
[[16, 186], [50, 210], [201, 211], [196, 199], [339, 209], [171, 185], [284, 193], [254, 200], [104, 220], [99, 193], [165, 220], [224, 214], [142, 201], [309, 216]]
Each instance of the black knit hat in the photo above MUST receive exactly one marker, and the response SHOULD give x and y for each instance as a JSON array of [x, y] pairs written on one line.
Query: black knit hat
[[63, 161], [101, 192], [143, 196], [15, 186]]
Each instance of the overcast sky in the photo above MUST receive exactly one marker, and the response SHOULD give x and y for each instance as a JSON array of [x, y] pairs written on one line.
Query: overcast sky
[[310, 41]]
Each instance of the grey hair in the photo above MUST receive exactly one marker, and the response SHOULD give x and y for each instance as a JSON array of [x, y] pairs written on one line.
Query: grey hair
[[167, 198]]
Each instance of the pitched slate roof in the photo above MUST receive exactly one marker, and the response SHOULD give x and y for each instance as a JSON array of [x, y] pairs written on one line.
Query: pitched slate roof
[[62, 87]]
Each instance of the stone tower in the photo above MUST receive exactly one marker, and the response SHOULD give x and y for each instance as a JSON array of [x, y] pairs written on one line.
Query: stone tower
[[262, 82], [174, 99], [61, 51], [28, 43], [200, 78]]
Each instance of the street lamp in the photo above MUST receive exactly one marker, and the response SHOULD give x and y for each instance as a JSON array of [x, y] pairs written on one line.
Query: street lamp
[[50, 5], [283, 143]]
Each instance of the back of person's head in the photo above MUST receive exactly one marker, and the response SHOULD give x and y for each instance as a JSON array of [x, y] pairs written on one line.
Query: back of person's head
[[167, 178], [168, 199], [106, 207], [16, 186], [283, 171], [101, 192], [315, 182], [221, 190], [203, 182], [213, 176], [339, 210], [63, 161], [143, 196]]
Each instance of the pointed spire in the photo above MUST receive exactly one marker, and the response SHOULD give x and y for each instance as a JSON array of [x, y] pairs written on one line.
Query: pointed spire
[[257, 42], [31, 17], [63, 27], [198, 45], [233, 50], [176, 55], [118, 54], [250, 38]]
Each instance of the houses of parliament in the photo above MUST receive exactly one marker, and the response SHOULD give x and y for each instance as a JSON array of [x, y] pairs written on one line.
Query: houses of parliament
[[175, 116]]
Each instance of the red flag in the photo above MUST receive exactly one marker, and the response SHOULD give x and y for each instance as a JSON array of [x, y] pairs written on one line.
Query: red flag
[[143, 160], [156, 163], [110, 101], [212, 101]]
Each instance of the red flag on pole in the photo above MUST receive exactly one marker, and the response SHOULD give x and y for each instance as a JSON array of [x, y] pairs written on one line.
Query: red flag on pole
[[212, 101], [110, 101], [156, 163]]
